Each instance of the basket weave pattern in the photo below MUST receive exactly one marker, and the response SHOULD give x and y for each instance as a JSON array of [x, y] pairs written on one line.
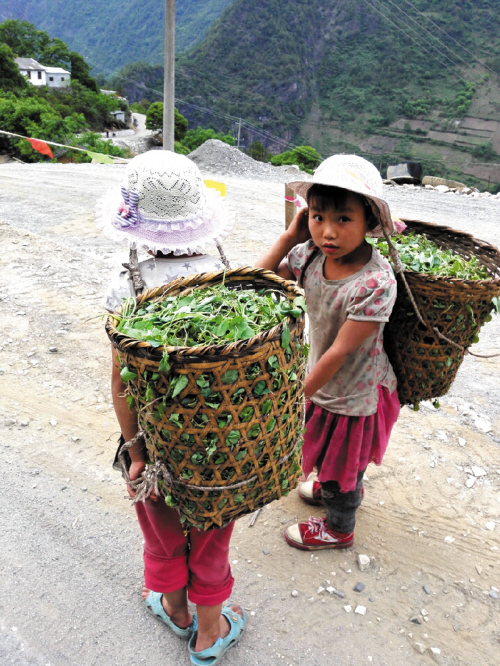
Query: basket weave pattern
[[426, 365], [231, 440]]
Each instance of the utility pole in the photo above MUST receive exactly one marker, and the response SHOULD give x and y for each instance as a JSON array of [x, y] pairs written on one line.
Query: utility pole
[[169, 77], [239, 133]]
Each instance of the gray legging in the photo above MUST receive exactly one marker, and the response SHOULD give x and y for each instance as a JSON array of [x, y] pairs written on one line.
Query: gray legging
[[341, 507]]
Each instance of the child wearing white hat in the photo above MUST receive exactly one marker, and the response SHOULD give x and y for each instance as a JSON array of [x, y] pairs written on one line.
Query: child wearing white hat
[[166, 209], [350, 387]]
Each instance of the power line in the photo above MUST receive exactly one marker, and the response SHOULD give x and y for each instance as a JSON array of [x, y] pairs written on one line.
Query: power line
[[430, 33], [414, 40], [257, 130], [451, 37]]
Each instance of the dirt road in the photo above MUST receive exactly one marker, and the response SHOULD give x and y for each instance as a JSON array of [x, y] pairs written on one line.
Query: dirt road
[[70, 548]]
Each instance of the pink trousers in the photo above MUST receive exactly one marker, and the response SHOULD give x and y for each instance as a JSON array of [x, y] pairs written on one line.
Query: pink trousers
[[173, 560]]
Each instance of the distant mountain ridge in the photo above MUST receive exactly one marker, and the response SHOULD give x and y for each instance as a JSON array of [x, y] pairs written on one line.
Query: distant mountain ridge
[[113, 33]]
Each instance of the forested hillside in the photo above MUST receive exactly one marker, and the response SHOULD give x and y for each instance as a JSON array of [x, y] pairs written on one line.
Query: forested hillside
[[110, 34]]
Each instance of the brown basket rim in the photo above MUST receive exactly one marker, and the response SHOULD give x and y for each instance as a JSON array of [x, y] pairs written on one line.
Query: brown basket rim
[[144, 349], [440, 279]]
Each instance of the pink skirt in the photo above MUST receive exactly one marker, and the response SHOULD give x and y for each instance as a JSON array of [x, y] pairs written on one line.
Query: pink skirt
[[342, 446]]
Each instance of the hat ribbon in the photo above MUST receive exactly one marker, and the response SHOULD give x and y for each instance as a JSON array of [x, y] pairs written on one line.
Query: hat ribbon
[[128, 212]]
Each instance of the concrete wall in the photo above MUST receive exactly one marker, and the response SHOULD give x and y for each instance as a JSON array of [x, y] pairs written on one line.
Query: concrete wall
[[33, 77]]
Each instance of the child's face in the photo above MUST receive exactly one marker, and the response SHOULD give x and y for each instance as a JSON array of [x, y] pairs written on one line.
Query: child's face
[[338, 232]]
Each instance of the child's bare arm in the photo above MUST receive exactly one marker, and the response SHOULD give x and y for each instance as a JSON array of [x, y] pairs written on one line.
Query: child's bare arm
[[297, 232], [349, 338], [127, 418]]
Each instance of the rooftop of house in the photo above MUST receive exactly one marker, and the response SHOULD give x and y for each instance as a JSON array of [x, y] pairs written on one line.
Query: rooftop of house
[[56, 70], [30, 63]]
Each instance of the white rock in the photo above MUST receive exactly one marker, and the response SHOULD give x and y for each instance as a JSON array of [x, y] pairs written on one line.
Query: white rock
[[478, 471], [490, 526], [449, 539], [462, 441], [9, 422], [363, 562], [442, 188], [321, 590], [53, 422], [295, 593], [424, 612], [348, 609], [330, 589], [470, 481], [482, 424], [419, 647], [435, 651], [360, 610]]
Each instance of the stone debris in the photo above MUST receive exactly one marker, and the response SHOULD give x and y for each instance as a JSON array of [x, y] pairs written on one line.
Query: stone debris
[[470, 481], [360, 610], [53, 422], [462, 441], [419, 647], [348, 609], [478, 471], [52, 350], [493, 594], [321, 590], [490, 526], [426, 589], [266, 550], [295, 594], [363, 562], [449, 539], [10, 422], [218, 157], [359, 587], [416, 620]]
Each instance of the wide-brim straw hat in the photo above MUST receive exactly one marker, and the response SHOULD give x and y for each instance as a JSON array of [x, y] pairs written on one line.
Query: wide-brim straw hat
[[165, 206], [353, 173]]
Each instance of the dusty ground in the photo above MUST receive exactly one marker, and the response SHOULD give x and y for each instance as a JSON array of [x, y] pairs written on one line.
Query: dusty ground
[[70, 548]]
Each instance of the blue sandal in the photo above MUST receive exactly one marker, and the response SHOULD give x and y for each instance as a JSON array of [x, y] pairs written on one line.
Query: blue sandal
[[155, 607], [214, 654]]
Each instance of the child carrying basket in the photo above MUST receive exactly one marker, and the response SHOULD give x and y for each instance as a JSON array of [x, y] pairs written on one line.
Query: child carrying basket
[[350, 384], [167, 210]]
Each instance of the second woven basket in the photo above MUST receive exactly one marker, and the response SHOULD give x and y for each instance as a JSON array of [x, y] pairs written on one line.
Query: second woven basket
[[424, 363], [230, 442]]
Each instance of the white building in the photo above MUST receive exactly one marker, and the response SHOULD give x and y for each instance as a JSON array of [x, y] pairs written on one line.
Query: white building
[[39, 75], [57, 77], [118, 115], [32, 70]]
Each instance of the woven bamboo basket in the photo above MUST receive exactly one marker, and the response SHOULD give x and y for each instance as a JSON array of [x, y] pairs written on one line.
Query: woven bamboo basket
[[256, 421], [424, 363]]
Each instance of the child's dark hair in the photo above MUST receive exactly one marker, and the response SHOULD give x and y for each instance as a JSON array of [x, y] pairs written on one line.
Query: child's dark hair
[[327, 197]]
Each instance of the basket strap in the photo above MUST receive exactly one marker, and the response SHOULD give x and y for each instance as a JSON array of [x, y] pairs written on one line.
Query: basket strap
[[135, 272], [149, 479], [398, 267], [225, 260]]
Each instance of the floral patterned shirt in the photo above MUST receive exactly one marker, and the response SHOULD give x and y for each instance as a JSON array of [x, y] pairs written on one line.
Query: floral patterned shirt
[[367, 295]]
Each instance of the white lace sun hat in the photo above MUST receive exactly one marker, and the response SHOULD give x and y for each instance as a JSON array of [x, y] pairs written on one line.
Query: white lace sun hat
[[165, 206], [353, 173]]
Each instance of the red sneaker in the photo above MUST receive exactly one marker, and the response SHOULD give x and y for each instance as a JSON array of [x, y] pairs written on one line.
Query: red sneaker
[[316, 535], [310, 492]]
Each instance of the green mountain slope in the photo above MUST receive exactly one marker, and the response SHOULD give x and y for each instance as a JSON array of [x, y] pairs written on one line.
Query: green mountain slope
[[364, 75], [113, 33]]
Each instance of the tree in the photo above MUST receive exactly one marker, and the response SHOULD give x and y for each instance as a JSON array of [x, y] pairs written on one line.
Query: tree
[[11, 78], [257, 151], [197, 137], [154, 121], [28, 42], [306, 157], [80, 72]]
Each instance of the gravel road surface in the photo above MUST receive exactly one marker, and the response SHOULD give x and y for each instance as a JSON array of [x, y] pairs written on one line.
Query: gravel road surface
[[70, 547]]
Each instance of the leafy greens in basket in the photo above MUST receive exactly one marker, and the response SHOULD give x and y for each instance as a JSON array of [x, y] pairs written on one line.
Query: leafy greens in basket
[[211, 316], [421, 255]]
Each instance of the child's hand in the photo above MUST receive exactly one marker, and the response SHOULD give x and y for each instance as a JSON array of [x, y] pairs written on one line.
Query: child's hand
[[135, 471], [299, 227]]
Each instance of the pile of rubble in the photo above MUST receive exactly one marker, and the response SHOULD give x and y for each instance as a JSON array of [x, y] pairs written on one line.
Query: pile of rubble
[[463, 190]]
